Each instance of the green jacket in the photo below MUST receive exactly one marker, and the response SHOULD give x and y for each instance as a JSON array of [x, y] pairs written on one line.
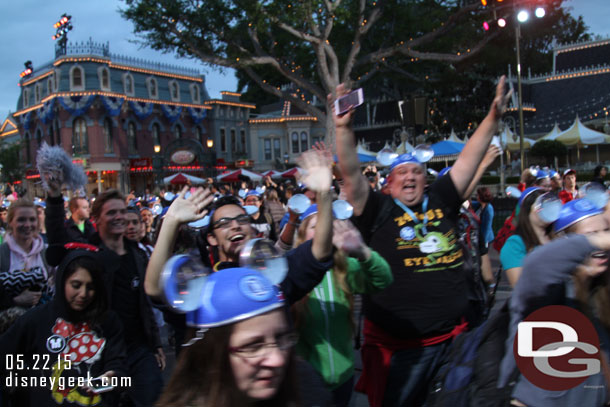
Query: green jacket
[[325, 334]]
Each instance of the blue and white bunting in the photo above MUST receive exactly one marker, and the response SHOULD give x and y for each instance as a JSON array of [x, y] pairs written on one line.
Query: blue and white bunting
[[198, 114], [76, 105], [46, 112], [141, 109], [26, 120], [112, 104], [171, 112]]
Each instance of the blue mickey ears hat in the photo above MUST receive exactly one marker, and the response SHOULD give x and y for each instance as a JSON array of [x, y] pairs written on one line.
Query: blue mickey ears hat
[[233, 295], [407, 158], [253, 192], [541, 174], [312, 210], [525, 193], [443, 171], [574, 211]]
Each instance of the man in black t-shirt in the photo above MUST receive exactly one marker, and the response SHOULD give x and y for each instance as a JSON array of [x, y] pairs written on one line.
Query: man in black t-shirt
[[414, 228]]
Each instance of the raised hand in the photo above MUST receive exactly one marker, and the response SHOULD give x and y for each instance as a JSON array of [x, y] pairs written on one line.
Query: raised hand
[[500, 102], [317, 173], [347, 238], [344, 120], [490, 155], [324, 149], [191, 209]]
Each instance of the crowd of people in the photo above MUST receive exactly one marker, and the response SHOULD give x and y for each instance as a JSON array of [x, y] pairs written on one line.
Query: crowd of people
[[86, 284]]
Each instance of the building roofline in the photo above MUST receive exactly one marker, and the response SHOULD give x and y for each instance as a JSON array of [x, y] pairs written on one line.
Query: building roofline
[[111, 94]]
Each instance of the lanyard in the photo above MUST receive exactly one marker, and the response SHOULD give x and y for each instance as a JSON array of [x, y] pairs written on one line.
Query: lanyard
[[424, 207]]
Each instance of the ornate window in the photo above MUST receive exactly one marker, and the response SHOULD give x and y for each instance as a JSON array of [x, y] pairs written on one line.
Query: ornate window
[[267, 149], [56, 78], [276, 148], [77, 78], [195, 94], [223, 140], [37, 92], [295, 142], [103, 74], [151, 84], [177, 131], [50, 83], [108, 140], [132, 143], [26, 97], [80, 142], [234, 141], [174, 91], [200, 136], [128, 85], [52, 135], [156, 134], [304, 144], [242, 140]]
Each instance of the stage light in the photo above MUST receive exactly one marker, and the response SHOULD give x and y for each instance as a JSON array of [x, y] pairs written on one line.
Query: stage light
[[501, 23], [540, 12], [523, 16], [485, 25]]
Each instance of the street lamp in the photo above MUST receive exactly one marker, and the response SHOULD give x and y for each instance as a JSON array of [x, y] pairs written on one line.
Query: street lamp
[[157, 148], [210, 143], [522, 17]]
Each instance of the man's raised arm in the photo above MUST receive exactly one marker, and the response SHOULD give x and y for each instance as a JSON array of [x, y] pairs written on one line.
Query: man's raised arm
[[355, 185], [471, 156]]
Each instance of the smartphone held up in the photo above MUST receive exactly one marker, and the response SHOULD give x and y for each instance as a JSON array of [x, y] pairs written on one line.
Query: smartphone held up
[[348, 102]]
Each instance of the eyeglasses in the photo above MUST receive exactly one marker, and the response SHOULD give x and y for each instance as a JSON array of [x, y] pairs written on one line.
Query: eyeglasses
[[222, 223], [261, 349]]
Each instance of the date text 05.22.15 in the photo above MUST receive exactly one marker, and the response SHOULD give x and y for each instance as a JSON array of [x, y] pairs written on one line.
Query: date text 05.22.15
[[36, 361]]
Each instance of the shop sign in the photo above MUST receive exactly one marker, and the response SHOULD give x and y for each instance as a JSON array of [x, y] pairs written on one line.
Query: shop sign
[[244, 163], [183, 157], [140, 162], [80, 161]]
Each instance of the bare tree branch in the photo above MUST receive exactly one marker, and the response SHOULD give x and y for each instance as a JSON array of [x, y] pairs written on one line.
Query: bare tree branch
[[290, 96], [406, 47]]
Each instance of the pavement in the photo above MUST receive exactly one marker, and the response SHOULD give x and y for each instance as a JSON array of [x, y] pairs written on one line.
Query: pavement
[[358, 399]]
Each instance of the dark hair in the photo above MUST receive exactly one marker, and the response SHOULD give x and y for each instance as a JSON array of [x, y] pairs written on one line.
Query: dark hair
[[203, 375], [136, 211], [484, 195], [96, 311], [597, 171], [98, 204], [524, 225], [220, 202]]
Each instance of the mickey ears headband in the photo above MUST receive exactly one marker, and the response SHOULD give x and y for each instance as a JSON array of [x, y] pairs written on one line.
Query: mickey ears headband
[[218, 298], [421, 154]]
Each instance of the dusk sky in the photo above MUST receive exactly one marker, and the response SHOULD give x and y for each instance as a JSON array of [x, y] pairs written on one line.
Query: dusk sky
[[28, 27]]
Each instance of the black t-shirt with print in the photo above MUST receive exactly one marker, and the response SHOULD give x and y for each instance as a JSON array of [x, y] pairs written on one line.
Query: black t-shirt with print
[[429, 293]]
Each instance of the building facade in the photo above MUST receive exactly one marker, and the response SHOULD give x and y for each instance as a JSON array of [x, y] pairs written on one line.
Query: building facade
[[114, 115]]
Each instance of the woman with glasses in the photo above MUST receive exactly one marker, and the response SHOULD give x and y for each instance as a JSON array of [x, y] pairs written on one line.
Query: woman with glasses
[[241, 347], [532, 231]]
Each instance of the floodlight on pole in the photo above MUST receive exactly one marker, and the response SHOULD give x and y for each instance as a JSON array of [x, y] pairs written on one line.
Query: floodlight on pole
[[540, 12], [523, 16]]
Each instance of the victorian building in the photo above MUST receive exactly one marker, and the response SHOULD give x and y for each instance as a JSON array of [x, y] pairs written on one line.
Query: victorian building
[[129, 122]]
